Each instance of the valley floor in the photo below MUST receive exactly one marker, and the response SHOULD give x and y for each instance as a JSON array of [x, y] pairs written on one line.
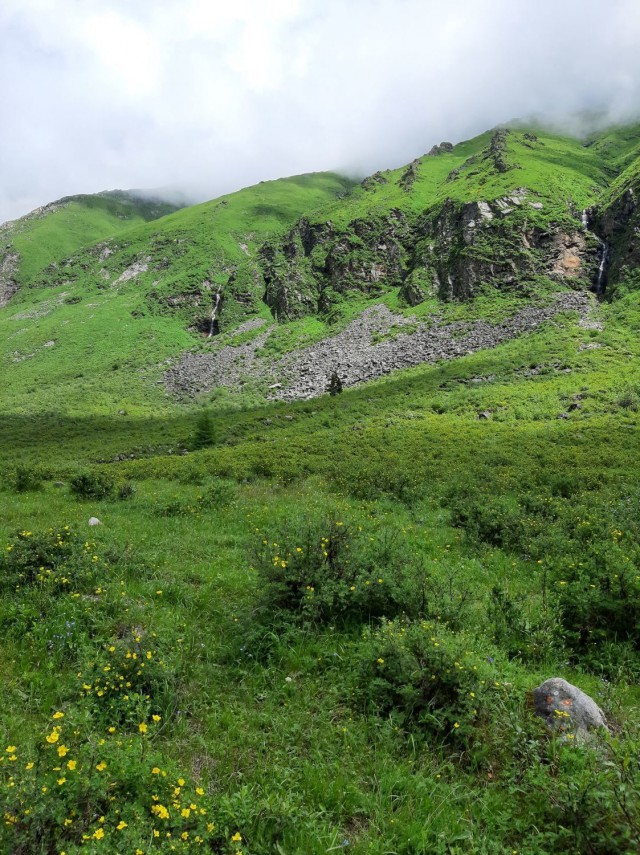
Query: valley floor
[[313, 627]]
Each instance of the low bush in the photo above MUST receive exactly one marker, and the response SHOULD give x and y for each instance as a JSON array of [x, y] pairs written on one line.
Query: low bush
[[128, 678], [521, 635], [76, 791], [325, 570], [23, 479], [424, 678], [600, 605], [125, 490], [92, 485], [55, 560], [219, 494]]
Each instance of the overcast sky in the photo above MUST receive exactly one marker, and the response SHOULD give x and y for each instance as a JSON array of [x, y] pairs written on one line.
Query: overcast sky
[[211, 96]]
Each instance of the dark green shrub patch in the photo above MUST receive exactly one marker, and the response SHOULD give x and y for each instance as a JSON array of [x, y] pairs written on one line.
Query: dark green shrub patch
[[599, 602], [125, 490], [532, 638], [219, 494], [375, 478], [425, 678], [55, 560], [324, 570], [24, 478], [92, 485], [216, 495]]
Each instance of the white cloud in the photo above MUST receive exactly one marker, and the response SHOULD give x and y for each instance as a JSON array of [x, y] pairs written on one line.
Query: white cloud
[[211, 95]]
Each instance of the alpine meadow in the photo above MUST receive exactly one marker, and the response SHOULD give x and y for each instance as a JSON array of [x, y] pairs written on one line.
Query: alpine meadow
[[320, 520]]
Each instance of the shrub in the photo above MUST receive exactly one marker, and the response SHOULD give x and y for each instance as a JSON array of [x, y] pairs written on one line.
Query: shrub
[[25, 478], [38, 558], [521, 635], [599, 603], [372, 479], [204, 434], [424, 677], [74, 790], [323, 570], [92, 485], [220, 494], [128, 678], [125, 490]]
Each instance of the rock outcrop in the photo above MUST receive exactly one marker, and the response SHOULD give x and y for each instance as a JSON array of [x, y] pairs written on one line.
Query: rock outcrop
[[454, 251], [9, 262], [618, 223], [567, 709]]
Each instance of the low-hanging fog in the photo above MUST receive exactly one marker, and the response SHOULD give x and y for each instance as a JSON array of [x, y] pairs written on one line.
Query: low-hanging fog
[[205, 96]]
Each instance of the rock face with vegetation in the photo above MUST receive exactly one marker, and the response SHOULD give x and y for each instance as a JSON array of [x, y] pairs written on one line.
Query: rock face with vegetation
[[444, 244]]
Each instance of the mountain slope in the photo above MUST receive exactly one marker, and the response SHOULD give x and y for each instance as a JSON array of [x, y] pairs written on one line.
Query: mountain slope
[[53, 232], [91, 328], [315, 626], [503, 211], [474, 233]]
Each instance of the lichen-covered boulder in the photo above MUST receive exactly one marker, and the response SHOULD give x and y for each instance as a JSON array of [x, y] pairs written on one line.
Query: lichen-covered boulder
[[566, 708]]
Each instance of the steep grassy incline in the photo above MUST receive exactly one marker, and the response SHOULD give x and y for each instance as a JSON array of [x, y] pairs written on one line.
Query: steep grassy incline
[[52, 233], [93, 332]]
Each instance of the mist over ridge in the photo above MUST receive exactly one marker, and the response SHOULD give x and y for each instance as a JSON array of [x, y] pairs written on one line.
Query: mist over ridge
[[205, 99]]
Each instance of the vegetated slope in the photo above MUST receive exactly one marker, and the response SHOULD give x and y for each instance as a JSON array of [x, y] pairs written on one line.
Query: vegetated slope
[[467, 232], [503, 212], [126, 303], [53, 232], [487, 507]]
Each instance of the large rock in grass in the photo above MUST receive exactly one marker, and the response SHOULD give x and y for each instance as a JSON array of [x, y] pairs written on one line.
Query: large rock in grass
[[566, 708]]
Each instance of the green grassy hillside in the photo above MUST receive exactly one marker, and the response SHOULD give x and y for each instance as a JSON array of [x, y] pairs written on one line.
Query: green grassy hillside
[[54, 232], [505, 549], [445, 227], [102, 323], [314, 627]]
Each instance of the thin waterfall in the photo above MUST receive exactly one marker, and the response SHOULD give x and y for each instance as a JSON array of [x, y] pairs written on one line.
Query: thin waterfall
[[604, 253], [213, 315], [603, 266]]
